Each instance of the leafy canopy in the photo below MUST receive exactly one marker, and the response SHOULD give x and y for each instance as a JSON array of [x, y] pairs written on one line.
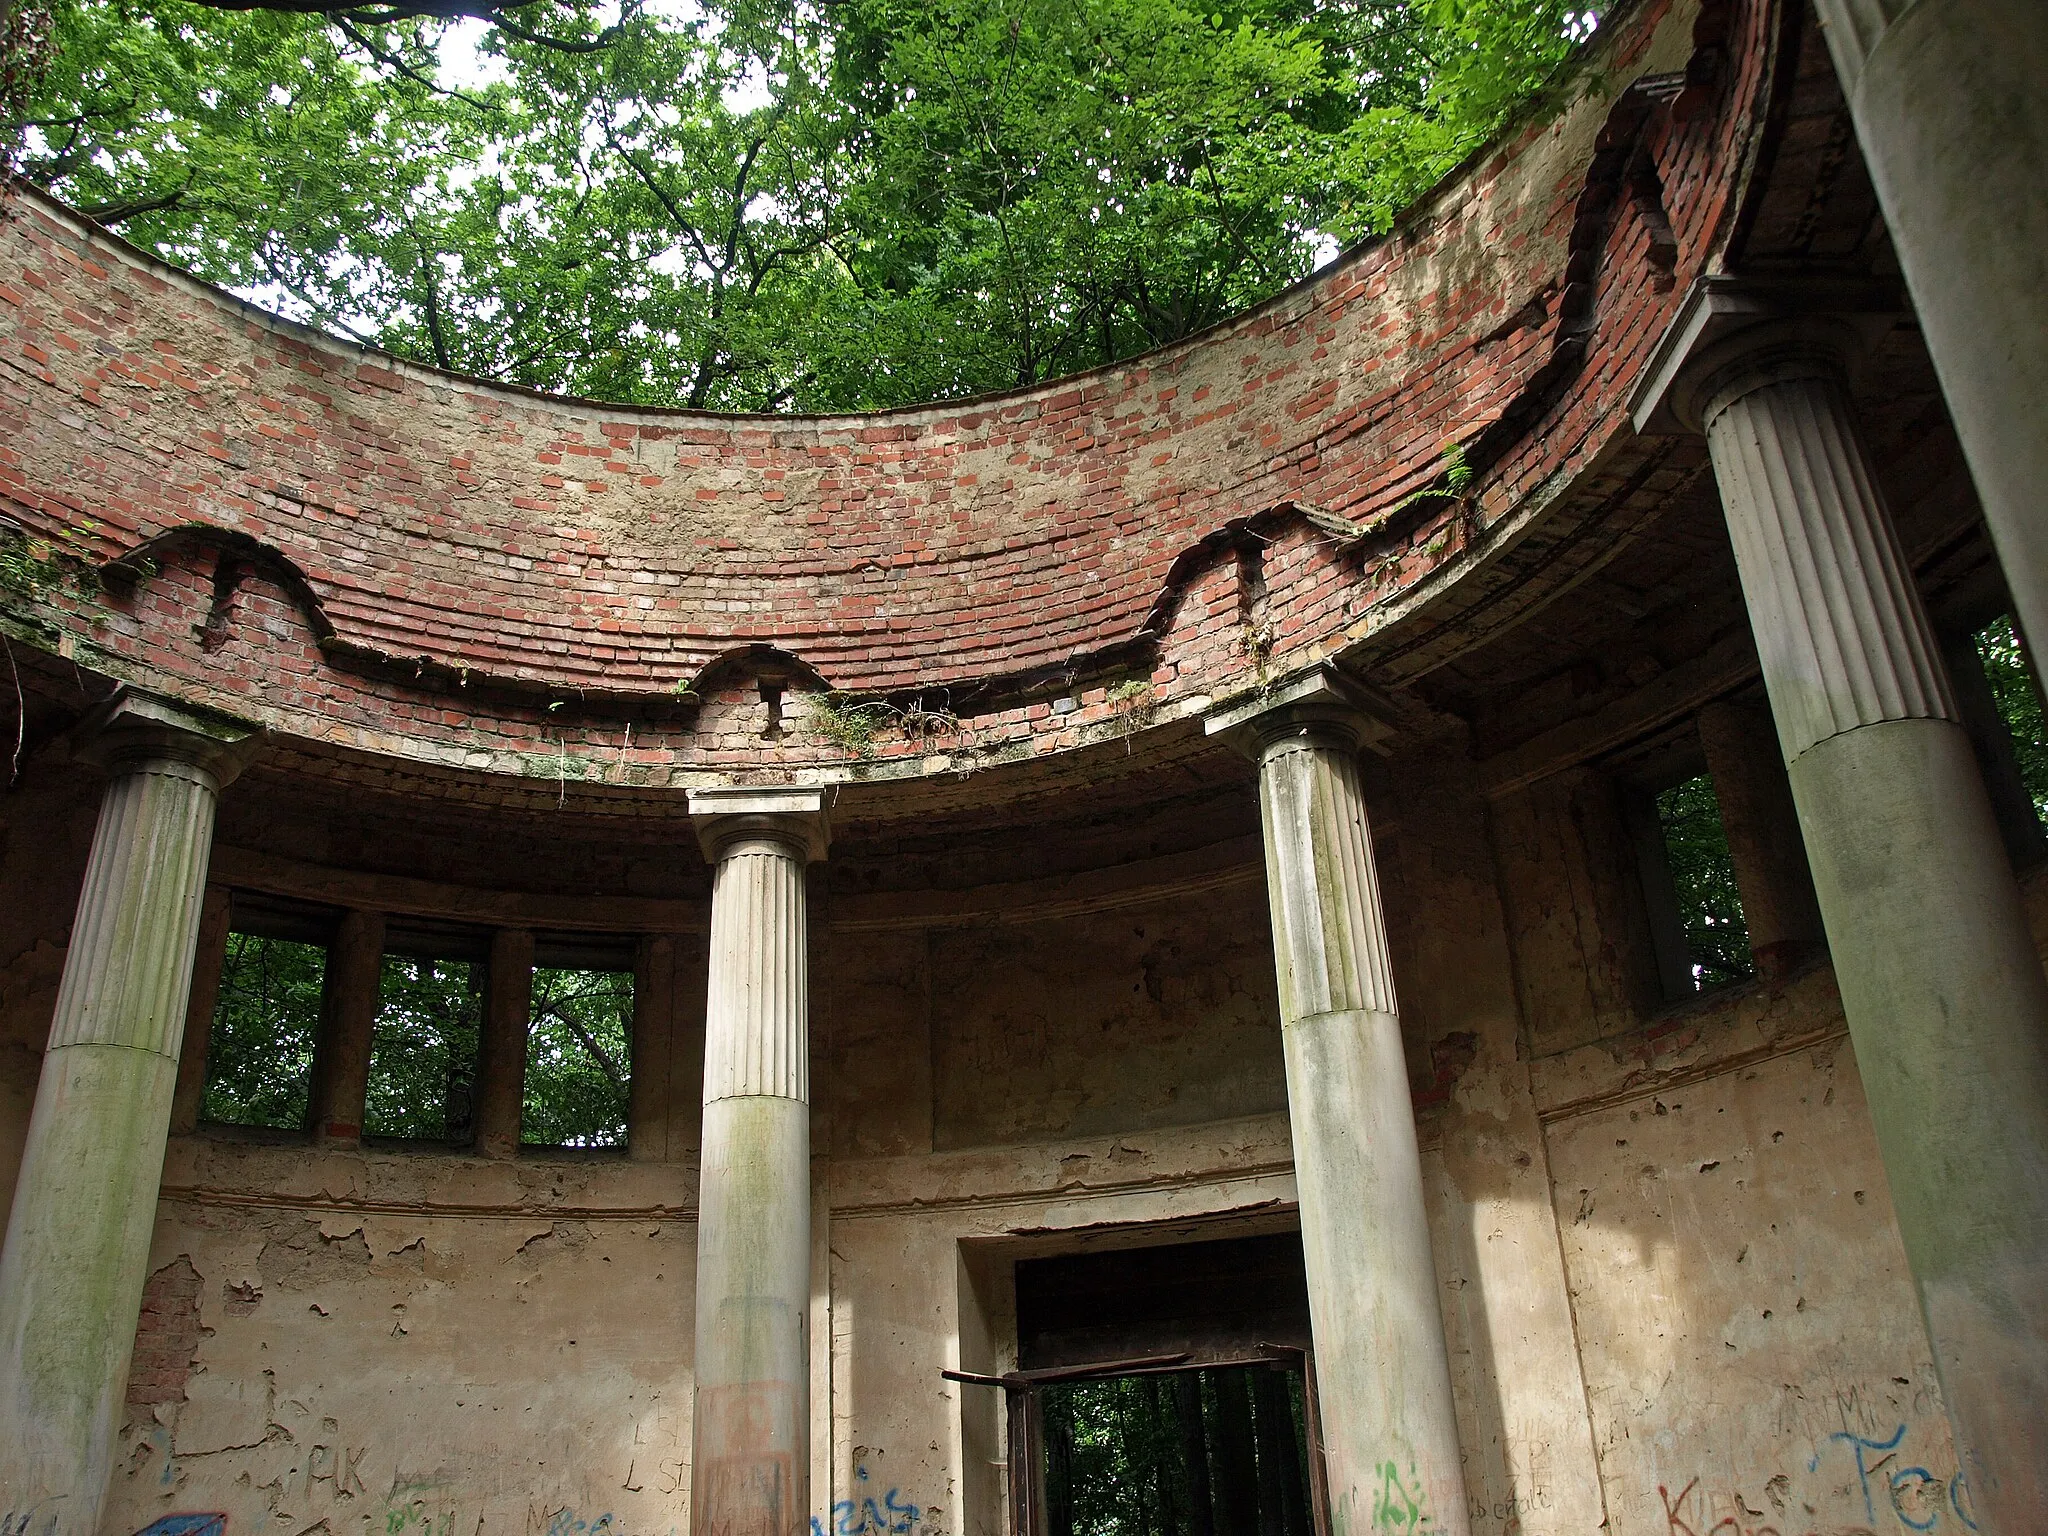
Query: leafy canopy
[[259, 1053], [771, 204]]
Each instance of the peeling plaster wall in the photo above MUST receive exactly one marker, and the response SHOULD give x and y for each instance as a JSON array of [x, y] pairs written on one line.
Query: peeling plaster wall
[[1752, 1348], [1154, 1016], [389, 1370], [1749, 1342]]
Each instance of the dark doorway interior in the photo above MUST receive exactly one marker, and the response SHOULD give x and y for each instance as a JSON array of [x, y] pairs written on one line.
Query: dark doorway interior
[[1221, 1451], [1166, 1391]]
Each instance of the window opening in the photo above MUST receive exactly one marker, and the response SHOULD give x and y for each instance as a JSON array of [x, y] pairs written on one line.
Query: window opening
[[259, 1055], [578, 1058], [423, 1049], [1702, 882], [2016, 690], [1211, 1451]]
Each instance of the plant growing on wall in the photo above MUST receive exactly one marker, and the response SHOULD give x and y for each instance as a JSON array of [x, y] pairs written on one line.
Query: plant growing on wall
[[848, 723]]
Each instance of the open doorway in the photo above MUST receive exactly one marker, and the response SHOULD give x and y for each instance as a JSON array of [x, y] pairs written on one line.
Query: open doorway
[[1165, 1391], [1193, 1451]]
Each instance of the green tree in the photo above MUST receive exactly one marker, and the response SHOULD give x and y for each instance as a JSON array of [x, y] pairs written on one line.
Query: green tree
[[259, 1055], [771, 204], [1703, 874], [2013, 687], [578, 1059], [423, 1050]]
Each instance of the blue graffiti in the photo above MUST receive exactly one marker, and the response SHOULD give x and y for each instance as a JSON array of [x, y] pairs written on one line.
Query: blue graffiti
[[894, 1516], [1904, 1487], [186, 1525]]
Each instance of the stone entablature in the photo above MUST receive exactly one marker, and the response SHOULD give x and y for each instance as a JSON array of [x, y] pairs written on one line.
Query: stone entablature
[[353, 549]]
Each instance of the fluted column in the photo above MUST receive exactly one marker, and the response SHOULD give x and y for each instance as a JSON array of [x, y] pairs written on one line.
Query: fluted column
[[1952, 117], [750, 1471], [1943, 991], [77, 1249], [1390, 1430]]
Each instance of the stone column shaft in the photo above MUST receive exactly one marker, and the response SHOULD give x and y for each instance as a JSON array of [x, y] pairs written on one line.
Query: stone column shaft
[[348, 1018], [1953, 122], [77, 1247], [750, 1468], [1762, 824], [1943, 990], [648, 1114], [1390, 1430], [188, 1101], [501, 1065]]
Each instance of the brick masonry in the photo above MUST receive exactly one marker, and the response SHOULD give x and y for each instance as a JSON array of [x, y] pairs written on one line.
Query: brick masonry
[[167, 1338], [357, 551]]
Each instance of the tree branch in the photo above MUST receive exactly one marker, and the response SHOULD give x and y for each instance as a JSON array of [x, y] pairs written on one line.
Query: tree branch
[[383, 15]]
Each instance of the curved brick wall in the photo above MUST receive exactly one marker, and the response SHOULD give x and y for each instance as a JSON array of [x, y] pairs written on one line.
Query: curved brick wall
[[354, 549]]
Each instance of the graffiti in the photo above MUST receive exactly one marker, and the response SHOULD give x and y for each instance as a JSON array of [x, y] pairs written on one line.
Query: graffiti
[[418, 1518], [42, 1519], [1395, 1505], [541, 1521], [1915, 1495], [1512, 1508], [894, 1516], [338, 1467], [1725, 1514], [1897, 1498]]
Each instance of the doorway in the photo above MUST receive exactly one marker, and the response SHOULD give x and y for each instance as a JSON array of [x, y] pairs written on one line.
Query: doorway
[[1166, 1391], [1206, 1451]]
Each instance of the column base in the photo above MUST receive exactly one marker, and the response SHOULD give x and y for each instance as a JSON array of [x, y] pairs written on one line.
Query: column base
[[1381, 1359], [72, 1275]]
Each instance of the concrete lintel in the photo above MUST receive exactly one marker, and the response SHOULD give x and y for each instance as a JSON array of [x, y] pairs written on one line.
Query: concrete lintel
[[1322, 690], [724, 813], [1855, 314], [133, 726]]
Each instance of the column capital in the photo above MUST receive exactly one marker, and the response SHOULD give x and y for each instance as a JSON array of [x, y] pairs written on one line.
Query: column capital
[[1734, 335], [1321, 708], [133, 728], [794, 819]]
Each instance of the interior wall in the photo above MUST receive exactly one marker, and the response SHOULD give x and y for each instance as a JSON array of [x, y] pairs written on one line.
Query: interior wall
[[1752, 1347], [428, 1341], [1748, 1337], [412, 1343]]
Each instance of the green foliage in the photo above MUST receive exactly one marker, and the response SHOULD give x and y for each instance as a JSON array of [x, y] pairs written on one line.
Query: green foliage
[[423, 1050], [847, 723], [775, 204], [578, 1059], [424, 1047], [26, 42], [1703, 873], [259, 1056], [32, 568], [2013, 686], [1131, 1455]]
